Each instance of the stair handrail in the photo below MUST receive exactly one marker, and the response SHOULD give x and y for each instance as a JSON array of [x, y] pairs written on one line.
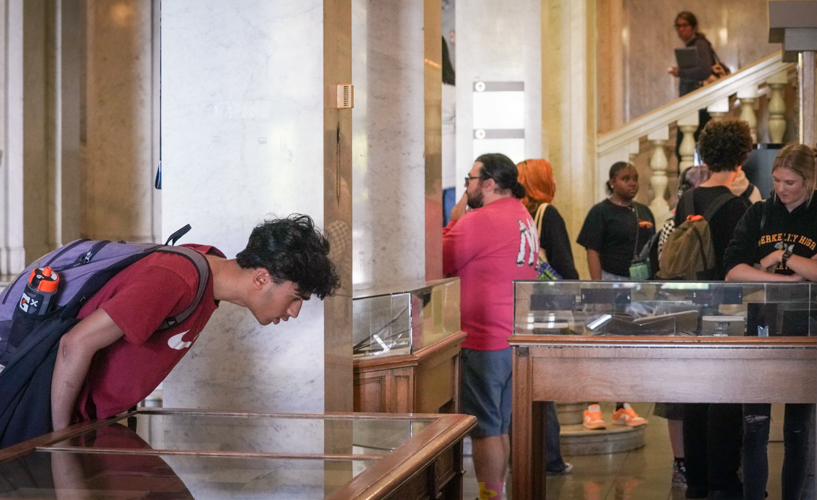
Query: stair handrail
[[754, 74]]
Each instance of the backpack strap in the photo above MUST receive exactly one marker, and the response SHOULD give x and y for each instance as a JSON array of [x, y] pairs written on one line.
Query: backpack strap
[[199, 261], [540, 216], [749, 190], [178, 234], [717, 204], [687, 205], [764, 214]]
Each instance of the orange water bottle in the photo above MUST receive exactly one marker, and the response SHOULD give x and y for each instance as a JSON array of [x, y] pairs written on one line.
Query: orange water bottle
[[40, 290]]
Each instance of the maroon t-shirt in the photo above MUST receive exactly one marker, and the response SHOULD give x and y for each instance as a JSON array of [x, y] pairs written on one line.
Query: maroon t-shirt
[[138, 300]]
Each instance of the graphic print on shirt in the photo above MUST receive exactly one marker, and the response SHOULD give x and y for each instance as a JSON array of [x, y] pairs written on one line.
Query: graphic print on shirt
[[785, 238], [176, 342], [527, 235]]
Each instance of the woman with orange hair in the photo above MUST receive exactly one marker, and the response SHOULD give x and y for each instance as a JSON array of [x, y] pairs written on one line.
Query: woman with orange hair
[[537, 177]]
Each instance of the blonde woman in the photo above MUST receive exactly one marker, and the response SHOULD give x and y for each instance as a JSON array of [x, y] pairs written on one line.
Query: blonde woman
[[780, 237]]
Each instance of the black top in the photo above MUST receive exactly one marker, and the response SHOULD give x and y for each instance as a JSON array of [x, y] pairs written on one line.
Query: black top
[[556, 242], [723, 222], [691, 78], [795, 230], [611, 230]]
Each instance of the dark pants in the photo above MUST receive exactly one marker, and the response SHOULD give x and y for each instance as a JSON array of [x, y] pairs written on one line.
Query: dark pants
[[712, 442], [555, 463], [756, 439]]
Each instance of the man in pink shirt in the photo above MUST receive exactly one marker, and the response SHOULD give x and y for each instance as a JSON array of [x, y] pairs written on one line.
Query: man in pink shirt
[[489, 247]]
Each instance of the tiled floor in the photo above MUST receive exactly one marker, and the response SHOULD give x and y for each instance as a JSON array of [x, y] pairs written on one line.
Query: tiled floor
[[641, 474]]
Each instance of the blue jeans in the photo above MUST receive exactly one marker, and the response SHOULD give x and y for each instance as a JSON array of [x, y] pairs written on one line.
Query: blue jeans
[[756, 419], [555, 463]]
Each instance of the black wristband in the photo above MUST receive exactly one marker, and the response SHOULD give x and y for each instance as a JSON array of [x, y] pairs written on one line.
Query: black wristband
[[784, 259]]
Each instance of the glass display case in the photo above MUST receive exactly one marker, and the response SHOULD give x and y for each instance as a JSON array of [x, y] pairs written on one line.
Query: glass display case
[[392, 323], [665, 308], [195, 454], [670, 341]]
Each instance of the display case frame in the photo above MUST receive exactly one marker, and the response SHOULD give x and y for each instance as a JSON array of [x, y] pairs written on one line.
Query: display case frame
[[430, 461], [422, 376], [682, 369]]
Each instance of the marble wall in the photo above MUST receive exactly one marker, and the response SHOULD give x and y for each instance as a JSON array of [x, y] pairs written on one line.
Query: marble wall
[[121, 123], [643, 39], [51, 106], [497, 42], [389, 142], [243, 138]]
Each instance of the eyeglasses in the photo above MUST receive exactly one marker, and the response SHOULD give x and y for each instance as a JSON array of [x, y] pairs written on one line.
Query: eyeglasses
[[468, 179], [684, 25]]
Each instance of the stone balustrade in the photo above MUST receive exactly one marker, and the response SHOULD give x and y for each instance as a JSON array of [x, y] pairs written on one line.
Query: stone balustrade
[[759, 94]]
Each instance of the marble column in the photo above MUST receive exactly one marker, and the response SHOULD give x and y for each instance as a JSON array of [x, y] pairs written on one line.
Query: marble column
[[120, 133], [568, 102], [12, 253], [432, 34], [389, 142], [249, 131], [51, 104]]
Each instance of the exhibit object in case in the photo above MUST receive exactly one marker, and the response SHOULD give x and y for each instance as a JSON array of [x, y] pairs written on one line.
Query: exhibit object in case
[[198, 454], [673, 341], [406, 346]]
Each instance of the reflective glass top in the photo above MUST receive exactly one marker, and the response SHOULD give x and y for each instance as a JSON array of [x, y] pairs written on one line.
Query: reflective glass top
[[255, 434], [169, 453], [76, 475], [391, 323], [668, 308]]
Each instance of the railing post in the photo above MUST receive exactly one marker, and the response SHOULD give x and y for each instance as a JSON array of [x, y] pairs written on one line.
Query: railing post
[[777, 107], [718, 109], [658, 165], [748, 97], [805, 87], [688, 126], [632, 150]]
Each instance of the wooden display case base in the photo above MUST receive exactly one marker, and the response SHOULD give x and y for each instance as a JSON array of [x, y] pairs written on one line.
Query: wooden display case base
[[426, 381], [669, 369]]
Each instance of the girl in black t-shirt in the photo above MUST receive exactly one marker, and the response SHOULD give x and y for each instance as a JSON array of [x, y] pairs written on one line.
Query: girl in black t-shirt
[[613, 233], [616, 229]]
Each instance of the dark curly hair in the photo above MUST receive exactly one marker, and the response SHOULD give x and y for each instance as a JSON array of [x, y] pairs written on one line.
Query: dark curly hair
[[724, 145], [292, 249], [503, 171]]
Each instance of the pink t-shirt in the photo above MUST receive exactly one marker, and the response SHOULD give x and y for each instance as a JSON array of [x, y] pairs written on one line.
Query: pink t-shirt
[[138, 300], [489, 248]]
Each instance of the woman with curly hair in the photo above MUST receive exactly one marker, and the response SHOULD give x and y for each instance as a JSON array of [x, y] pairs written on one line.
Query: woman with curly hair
[[540, 187]]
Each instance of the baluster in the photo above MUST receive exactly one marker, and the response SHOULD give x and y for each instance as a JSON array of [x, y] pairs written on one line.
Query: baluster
[[777, 106], [633, 149], [658, 165], [688, 126], [718, 109], [748, 97]]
